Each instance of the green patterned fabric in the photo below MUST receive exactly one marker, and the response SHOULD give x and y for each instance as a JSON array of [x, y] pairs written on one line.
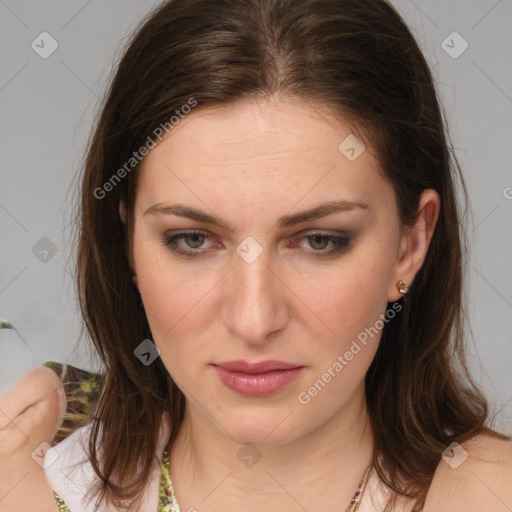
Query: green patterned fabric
[[60, 502], [81, 388]]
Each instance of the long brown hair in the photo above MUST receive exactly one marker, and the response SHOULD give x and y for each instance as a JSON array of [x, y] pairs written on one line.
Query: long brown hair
[[358, 58]]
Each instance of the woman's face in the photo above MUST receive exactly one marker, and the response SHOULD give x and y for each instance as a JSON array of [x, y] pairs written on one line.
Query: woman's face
[[265, 282]]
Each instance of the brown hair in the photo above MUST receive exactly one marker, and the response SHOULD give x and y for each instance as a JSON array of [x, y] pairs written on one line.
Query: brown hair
[[358, 58]]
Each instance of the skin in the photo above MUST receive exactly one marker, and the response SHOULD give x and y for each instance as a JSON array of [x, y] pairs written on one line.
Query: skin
[[250, 164], [30, 414], [253, 312]]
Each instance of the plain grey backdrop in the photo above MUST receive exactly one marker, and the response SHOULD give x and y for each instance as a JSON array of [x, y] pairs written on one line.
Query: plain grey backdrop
[[56, 57]]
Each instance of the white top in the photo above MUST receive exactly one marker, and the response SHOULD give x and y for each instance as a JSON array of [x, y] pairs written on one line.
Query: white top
[[70, 473], [376, 495], [73, 481]]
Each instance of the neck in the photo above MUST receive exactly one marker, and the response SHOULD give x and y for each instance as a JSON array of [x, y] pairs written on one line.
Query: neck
[[320, 470]]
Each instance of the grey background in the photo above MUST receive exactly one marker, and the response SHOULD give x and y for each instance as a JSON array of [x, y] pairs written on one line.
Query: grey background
[[48, 107]]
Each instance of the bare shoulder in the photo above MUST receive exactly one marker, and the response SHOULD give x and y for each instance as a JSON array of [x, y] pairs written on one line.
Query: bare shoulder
[[473, 476]]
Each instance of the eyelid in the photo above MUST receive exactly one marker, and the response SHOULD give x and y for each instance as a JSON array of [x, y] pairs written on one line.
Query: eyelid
[[325, 232], [306, 232], [301, 234], [341, 240]]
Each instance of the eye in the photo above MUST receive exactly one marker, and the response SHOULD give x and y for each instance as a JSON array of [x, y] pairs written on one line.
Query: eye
[[320, 241], [194, 240], [194, 243]]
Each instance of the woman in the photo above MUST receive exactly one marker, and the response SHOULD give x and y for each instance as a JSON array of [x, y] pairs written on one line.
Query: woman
[[270, 267]]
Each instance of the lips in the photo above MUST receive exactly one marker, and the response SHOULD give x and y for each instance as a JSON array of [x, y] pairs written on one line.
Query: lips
[[261, 367], [257, 379]]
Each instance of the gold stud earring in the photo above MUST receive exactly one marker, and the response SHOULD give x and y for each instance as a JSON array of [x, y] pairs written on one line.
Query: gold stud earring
[[402, 287]]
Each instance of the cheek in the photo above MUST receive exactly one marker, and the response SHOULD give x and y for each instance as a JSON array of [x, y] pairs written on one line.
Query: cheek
[[172, 306], [351, 306], [349, 298], [170, 300], [175, 301]]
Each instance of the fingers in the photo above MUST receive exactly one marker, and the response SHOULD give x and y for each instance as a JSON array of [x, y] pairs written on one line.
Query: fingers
[[31, 411], [34, 387]]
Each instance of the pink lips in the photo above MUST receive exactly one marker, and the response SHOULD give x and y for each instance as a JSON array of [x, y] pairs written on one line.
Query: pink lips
[[256, 379]]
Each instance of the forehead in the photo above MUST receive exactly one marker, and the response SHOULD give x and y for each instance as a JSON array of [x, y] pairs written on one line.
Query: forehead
[[274, 147]]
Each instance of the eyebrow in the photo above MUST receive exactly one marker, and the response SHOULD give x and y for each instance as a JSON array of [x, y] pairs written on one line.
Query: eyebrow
[[319, 211]]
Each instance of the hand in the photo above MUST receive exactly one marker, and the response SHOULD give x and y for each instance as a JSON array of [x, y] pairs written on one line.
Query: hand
[[31, 412]]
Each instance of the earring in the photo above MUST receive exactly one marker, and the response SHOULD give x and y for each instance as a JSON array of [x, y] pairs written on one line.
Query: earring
[[402, 287]]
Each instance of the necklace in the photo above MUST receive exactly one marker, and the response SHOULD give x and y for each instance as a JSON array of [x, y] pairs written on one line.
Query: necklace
[[167, 501]]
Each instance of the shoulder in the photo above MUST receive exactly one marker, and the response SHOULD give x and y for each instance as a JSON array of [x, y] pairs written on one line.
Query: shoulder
[[473, 476]]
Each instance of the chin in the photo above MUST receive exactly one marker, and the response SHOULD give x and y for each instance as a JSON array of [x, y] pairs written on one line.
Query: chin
[[267, 429]]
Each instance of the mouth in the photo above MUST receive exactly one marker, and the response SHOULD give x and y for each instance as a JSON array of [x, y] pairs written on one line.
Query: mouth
[[257, 379]]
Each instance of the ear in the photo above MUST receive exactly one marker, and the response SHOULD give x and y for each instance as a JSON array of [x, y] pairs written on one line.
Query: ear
[[415, 242]]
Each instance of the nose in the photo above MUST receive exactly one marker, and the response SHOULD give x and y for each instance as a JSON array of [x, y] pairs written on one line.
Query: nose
[[255, 305]]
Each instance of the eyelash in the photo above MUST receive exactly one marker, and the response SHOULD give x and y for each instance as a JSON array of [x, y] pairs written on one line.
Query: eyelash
[[341, 244]]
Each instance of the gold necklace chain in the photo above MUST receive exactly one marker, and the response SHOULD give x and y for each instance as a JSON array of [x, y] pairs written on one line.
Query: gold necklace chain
[[358, 496]]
